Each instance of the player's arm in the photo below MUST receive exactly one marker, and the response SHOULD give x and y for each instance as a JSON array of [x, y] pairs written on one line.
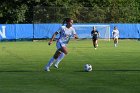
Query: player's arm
[[118, 34], [53, 37], [113, 33], [98, 34], [91, 33], [75, 36]]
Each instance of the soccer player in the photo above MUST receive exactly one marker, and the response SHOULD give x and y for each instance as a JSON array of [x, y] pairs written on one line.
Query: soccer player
[[65, 33], [115, 34], [95, 35]]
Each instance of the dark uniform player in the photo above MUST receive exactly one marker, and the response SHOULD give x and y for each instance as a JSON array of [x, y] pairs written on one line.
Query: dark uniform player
[[95, 35]]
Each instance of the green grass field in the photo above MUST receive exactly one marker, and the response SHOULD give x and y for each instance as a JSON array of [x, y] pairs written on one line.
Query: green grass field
[[115, 70]]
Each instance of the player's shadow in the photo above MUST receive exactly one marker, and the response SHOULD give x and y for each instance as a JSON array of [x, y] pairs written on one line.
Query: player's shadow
[[121, 70], [19, 71], [112, 70]]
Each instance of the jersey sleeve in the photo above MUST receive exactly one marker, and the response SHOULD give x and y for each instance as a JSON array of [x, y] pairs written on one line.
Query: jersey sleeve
[[113, 31], [59, 30]]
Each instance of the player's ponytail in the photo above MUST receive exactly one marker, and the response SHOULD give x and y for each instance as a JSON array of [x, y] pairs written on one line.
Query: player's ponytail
[[63, 22]]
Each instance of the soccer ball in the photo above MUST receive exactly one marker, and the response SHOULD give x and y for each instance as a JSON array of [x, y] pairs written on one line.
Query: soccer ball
[[87, 67]]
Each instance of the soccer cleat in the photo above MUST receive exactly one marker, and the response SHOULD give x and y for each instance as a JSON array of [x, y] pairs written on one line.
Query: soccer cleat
[[56, 66], [47, 69], [115, 45]]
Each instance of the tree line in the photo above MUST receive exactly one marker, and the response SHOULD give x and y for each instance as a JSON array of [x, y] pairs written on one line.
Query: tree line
[[82, 11]]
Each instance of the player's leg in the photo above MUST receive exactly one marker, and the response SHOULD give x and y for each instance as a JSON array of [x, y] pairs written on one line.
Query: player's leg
[[59, 59], [64, 52], [52, 60], [115, 42], [96, 43], [93, 42]]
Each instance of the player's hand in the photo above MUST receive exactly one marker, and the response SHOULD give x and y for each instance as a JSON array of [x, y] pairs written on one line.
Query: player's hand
[[50, 42], [76, 37]]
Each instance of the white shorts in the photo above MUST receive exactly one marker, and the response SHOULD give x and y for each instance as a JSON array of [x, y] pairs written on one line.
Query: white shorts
[[116, 37], [60, 45]]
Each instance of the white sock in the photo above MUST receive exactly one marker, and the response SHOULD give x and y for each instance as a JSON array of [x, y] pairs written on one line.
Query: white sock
[[62, 55], [50, 63]]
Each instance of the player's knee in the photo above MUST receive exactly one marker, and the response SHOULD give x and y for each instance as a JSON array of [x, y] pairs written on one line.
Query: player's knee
[[56, 55]]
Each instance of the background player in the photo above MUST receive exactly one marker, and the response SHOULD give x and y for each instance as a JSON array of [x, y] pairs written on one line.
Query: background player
[[115, 34], [95, 35]]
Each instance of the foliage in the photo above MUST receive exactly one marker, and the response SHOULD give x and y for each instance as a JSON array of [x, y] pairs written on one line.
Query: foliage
[[85, 11]]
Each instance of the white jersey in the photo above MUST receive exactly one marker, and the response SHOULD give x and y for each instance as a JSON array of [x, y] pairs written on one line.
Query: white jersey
[[115, 33], [65, 34]]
